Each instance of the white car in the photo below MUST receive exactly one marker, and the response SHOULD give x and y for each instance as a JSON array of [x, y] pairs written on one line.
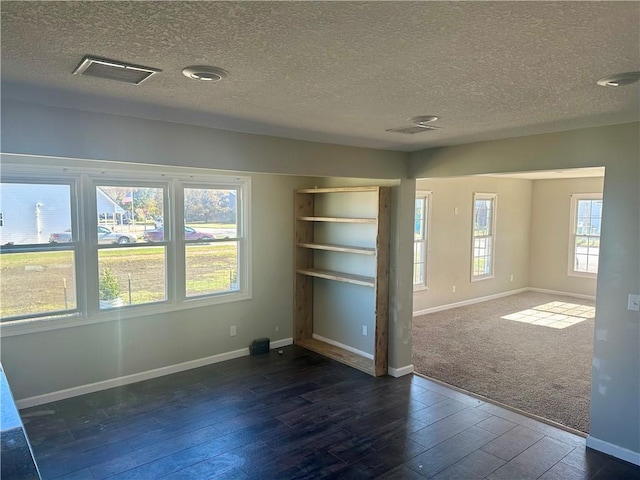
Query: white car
[[104, 236]]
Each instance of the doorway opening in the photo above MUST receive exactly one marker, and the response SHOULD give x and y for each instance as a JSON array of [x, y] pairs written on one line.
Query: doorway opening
[[505, 271]]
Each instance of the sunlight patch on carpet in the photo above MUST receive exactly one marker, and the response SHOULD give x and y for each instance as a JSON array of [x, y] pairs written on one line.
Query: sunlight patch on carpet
[[554, 315]]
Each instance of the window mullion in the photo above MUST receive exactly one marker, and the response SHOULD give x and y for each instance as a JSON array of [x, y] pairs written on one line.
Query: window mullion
[[177, 244]]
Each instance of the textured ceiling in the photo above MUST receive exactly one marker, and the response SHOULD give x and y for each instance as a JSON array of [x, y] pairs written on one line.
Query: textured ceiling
[[339, 72]]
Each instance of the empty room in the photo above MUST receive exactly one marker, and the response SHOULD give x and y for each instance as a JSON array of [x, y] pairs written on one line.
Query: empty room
[[208, 226], [505, 273]]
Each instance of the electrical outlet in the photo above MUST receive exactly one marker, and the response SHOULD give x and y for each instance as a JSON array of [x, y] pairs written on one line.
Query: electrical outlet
[[364, 330], [511, 278], [456, 211], [453, 289], [233, 331], [634, 303], [277, 329]]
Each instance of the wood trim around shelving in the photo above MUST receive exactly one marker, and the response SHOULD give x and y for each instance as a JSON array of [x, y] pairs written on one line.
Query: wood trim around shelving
[[338, 276], [338, 248], [338, 190], [338, 219], [336, 353]]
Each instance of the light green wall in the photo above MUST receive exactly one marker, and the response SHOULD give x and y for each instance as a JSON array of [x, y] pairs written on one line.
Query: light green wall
[[83, 355], [50, 131], [550, 234], [54, 360], [615, 398], [450, 239]]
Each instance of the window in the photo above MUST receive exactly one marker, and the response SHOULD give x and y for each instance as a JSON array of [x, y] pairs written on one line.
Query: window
[[586, 217], [211, 240], [421, 239], [94, 245], [484, 226], [39, 250], [130, 271]]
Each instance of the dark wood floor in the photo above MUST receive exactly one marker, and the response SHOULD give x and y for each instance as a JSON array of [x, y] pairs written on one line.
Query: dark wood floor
[[299, 415]]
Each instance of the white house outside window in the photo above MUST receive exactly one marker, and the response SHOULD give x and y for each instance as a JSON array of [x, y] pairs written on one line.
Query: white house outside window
[[421, 240], [83, 245], [586, 218], [38, 273], [483, 239]]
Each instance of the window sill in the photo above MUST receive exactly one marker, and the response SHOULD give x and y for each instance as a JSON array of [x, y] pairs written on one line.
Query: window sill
[[25, 327], [592, 276], [481, 278]]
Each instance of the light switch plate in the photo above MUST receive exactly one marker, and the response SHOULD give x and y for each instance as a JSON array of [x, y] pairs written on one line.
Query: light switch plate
[[634, 302]]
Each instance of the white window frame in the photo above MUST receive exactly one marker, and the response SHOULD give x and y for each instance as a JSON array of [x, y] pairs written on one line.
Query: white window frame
[[241, 235], [573, 232], [91, 219], [74, 245], [423, 243], [85, 176], [492, 235]]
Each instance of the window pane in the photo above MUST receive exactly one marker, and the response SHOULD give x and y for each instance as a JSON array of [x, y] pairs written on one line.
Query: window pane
[[588, 217], [132, 276], [127, 214], [211, 268], [419, 233], [35, 213], [210, 213], [418, 263], [37, 282], [482, 217]]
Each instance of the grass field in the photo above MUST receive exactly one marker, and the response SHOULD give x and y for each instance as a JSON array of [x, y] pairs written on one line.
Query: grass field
[[35, 282]]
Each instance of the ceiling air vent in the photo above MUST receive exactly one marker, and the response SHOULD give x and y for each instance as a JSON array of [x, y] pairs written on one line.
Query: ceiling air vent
[[114, 70], [410, 130]]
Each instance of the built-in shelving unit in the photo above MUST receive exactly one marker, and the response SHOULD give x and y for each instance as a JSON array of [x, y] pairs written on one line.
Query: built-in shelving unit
[[308, 215]]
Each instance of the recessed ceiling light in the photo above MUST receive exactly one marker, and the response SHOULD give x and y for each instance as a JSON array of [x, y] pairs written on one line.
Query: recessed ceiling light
[[422, 119], [620, 79], [205, 73]]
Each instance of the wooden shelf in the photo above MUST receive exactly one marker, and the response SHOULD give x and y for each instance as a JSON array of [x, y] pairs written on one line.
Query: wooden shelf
[[310, 208], [340, 219], [338, 248], [339, 190], [341, 355], [338, 276]]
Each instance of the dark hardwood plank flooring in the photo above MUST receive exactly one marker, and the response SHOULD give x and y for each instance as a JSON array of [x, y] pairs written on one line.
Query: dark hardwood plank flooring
[[299, 416]]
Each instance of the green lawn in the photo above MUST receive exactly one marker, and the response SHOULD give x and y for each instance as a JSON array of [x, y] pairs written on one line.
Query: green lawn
[[35, 282]]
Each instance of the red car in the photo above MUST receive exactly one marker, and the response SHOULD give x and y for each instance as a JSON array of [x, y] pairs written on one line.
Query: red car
[[157, 234]]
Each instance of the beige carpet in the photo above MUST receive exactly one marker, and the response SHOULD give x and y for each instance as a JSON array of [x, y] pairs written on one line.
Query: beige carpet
[[543, 367]]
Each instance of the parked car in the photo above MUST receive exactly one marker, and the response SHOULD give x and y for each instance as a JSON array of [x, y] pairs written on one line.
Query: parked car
[[157, 234], [105, 235], [63, 237]]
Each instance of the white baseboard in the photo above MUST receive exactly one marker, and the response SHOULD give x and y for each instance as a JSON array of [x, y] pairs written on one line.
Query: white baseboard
[[400, 372], [343, 346], [613, 450], [563, 294], [471, 301], [138, 377]]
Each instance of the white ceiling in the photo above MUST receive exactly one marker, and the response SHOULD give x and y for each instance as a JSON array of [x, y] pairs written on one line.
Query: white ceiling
[[338, 72]]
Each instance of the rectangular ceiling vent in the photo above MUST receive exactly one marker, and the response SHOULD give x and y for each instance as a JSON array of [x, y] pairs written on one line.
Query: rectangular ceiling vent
[[413, 129], [114, 70]]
